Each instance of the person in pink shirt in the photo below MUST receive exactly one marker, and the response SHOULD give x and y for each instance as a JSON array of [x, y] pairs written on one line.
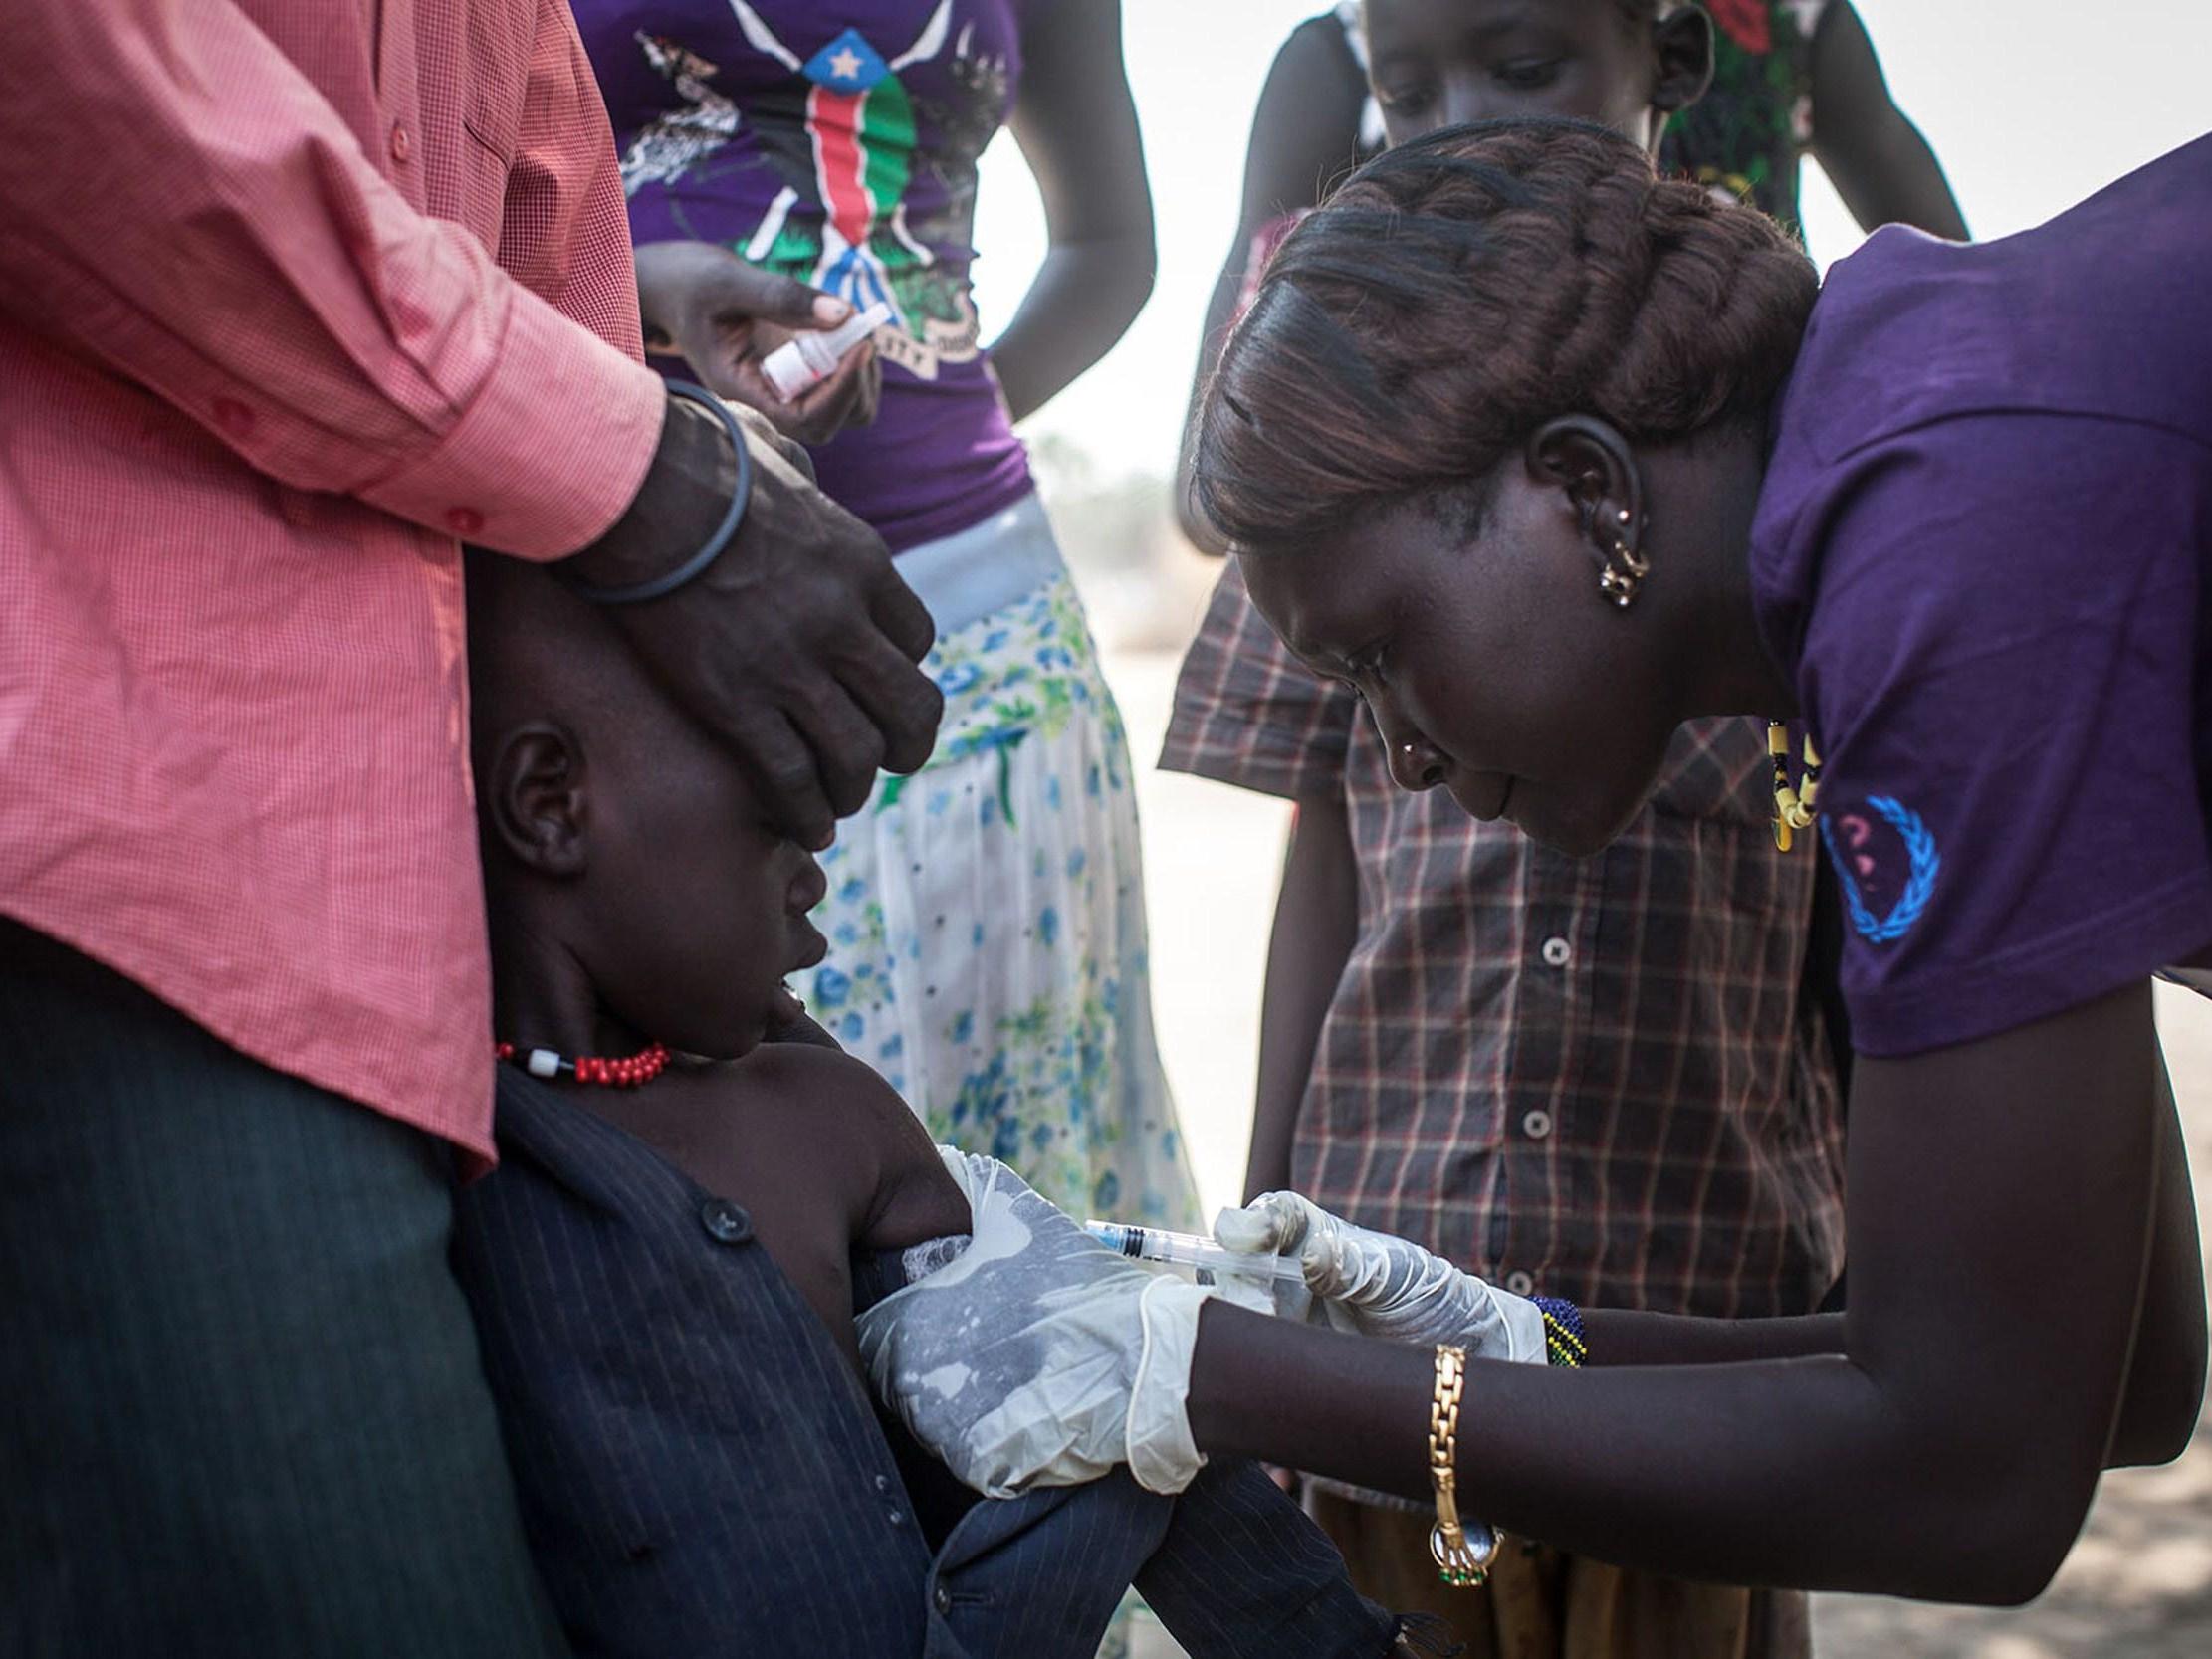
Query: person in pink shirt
[[295, 298]]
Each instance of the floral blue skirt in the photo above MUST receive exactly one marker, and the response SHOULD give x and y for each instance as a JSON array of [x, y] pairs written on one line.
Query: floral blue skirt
[[985, 917]]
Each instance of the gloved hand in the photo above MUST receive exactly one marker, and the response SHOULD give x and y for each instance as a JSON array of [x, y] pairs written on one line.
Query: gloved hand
[[1381, 1286], [1037, 1357]]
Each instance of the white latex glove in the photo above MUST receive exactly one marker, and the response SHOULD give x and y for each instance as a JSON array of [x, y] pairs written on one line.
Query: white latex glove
[[1038, 1356], [1382, 1286]]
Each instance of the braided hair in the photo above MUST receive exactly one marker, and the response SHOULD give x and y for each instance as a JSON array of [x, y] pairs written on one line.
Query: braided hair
[[1460, 290]]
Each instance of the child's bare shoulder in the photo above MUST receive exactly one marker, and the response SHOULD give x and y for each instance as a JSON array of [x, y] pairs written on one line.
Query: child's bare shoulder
[[824, 1089], [807, 1066], [825, 1098]]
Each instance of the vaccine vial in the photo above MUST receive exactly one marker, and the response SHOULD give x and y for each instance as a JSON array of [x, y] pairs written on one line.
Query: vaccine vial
[[806, 361]]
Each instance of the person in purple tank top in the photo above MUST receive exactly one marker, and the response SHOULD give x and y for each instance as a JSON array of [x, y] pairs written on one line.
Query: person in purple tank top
[[785, 165], [1545, 455]]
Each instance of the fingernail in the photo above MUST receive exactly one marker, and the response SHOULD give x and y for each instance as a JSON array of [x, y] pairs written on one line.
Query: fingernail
[[830, 308]]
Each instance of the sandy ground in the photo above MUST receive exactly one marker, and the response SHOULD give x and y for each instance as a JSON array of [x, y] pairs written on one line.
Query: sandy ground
[[2139, 1583]]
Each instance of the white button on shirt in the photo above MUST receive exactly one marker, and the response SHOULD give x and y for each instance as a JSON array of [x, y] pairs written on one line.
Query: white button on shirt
[[1536, 1123], [1558, 953]]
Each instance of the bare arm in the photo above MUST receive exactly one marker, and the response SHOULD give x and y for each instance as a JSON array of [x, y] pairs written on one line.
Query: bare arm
[[1305, 137], [1874, 155], [1317, 919], [1077, 128], [2001, 1202], [2167, 1370], [914, 1199], [2165, 1374]]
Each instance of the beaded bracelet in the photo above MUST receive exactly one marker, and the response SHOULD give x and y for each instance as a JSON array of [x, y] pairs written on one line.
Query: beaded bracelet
[[636, 593], [1793, 807], [1462, 1555], [1565, 1340]]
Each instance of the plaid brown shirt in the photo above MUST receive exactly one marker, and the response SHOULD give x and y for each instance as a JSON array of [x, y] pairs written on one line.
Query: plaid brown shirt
[[1595, 1077]]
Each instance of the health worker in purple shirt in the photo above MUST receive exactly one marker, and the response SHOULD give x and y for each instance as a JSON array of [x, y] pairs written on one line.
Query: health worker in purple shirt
[[1546, 455]]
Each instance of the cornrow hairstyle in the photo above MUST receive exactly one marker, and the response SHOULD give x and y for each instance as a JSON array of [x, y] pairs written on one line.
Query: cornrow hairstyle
[[1458, 291]]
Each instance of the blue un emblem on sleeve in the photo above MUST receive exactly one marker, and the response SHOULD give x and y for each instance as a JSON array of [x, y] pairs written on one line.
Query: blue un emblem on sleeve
[[1884, 899]]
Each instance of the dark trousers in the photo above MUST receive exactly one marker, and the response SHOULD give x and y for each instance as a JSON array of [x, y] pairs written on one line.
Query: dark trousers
[[241, 1408]]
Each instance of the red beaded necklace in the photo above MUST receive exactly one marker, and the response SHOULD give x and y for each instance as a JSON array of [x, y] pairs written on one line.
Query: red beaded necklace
[[641, 1067]]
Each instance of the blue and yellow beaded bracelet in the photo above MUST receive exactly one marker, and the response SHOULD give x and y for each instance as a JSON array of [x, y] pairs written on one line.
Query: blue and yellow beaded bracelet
[[1565, 1340]]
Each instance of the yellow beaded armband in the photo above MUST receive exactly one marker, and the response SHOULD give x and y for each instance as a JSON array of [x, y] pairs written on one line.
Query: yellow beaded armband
[[1793, 805]]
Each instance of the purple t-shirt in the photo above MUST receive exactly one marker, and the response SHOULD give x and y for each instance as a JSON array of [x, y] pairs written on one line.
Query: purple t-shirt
[[837, 144], [1980, 553]]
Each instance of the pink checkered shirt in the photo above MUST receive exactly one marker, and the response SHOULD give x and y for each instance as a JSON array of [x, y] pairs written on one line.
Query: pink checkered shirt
[[290, 299], [1597, 1078]]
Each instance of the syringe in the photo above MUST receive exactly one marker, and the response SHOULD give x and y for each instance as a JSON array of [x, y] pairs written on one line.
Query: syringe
[[1150, 1244]]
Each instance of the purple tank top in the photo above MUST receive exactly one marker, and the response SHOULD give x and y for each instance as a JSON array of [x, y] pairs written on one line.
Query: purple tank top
[[837, 144]]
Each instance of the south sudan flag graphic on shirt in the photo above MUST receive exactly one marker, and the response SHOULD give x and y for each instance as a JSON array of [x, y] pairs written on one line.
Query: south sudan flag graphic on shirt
[[860, 123]]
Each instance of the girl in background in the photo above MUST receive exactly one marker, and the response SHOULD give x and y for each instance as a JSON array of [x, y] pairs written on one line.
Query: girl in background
[[1789, 78]]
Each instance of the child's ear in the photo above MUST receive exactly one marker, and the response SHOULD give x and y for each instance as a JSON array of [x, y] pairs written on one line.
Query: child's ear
[[1683, 42], [536, 807]]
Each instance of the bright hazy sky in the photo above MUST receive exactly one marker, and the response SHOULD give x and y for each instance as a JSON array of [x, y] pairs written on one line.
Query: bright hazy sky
[[2030, 104]]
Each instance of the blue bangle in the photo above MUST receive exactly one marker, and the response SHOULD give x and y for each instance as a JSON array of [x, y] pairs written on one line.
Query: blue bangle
[[636, 593], [1565, 1340]]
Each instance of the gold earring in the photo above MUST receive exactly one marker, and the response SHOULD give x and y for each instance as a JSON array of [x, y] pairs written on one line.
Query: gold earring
[[1624, 568], [1623, 574]]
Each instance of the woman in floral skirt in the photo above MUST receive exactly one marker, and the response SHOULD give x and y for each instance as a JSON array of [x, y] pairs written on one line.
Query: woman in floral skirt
[[985, 917]]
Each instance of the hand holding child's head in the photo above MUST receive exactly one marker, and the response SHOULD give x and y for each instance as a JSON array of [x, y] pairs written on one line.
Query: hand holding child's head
[[633, 879]]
